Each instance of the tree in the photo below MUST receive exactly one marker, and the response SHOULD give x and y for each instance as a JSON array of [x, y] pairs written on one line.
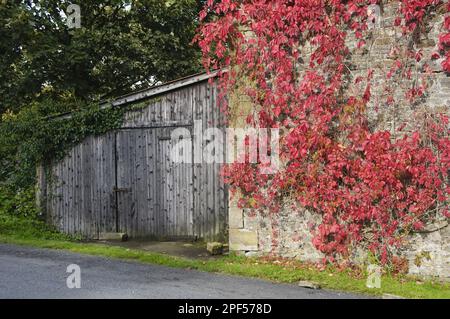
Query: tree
[[121, 45], [15, 30]]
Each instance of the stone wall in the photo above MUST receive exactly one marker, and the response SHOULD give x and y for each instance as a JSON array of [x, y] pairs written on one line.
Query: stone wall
[[377, 56], [253, 235], [428, 253]]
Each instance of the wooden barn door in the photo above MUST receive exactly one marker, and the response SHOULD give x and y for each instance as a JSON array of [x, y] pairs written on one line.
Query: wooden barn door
[[175, 193], [80, 200], [154, 194]]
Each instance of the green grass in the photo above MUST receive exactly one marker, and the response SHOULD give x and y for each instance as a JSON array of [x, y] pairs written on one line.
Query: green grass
[[21, 231]]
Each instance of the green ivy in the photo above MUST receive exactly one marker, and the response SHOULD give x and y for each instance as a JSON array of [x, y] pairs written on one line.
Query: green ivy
[[20, 203], [30, 137]]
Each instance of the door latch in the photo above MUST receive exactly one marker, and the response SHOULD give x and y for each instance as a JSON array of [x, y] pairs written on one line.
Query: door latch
[[121, 190]]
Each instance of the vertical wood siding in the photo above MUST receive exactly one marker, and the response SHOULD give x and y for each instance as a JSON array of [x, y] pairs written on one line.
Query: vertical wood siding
[[126, 181], [79, 200]]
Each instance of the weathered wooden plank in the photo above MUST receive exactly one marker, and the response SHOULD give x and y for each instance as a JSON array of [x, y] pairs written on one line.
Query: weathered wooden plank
[[86, 182], [161, 181], [120, 171], [139, 164], [71, 190], [152, 185], [127, 184], [55, 194], [198, 171], [60, 197], [98, 188], [100, 185], [61, 204], [224, 226], [76, 189], [51, 193], [186, 109], [109, 178], [65, 195], [141, 209], [124, 183], [144, 205], [216, 166], [62, 201], [176, 209], [191, 178], [208, 177], [150, 155], [167, 103], [203, 171], [111, 172], [68, 194], [98, 177], [104, 152], [176, 109], [188, 199], [133, 164], [168, 196], [222, 195]]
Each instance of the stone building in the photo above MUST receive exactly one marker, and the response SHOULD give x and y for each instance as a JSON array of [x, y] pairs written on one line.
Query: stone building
[[428, 252]]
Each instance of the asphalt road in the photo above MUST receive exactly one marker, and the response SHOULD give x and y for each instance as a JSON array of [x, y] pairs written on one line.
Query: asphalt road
[[40, 273]]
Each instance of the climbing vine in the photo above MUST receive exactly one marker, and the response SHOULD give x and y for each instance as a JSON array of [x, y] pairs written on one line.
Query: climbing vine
[[32, 137], [370, 187]]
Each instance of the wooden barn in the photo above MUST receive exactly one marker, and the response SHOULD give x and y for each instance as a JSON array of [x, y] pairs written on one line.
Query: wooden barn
[[126, 181]]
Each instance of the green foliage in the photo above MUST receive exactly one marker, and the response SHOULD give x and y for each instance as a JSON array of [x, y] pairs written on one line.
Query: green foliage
[[19, 217], [15, 30], [25, 228], [29, 137], [20, 203], [121, 45]]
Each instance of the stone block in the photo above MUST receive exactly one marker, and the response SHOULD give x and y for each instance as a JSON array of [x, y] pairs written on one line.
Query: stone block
[[214, 248], [113, 236], [308, 284], [236, 218], [243, 239]]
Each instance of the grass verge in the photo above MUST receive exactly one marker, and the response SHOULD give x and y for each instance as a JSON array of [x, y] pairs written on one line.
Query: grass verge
[[21, 231]]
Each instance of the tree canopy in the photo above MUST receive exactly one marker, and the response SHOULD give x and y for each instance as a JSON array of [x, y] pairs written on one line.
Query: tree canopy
[[120, 45]]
